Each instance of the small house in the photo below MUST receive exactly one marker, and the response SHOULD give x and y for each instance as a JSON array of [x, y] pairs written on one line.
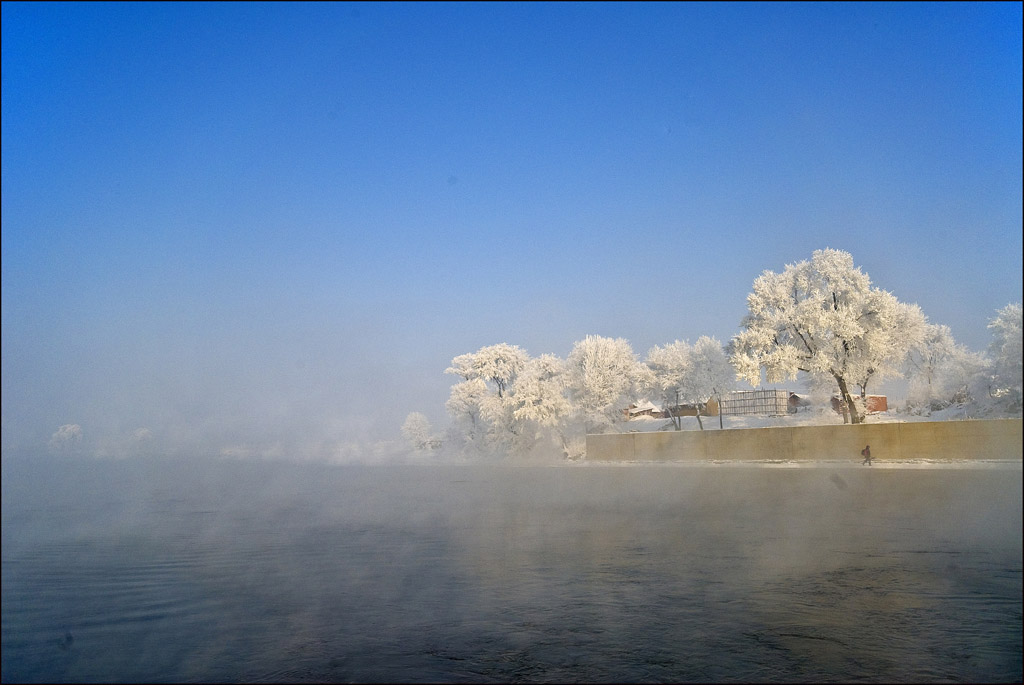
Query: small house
[[709, 408], [643, 408], [798, 402], [873, 404]]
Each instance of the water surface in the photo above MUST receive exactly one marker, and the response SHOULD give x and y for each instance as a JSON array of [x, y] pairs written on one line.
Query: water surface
[[226, 571]]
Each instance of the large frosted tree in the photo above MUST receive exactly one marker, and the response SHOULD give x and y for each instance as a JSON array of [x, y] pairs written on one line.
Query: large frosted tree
[[604, 377], [539, 401], [824, 317], [499, 364], [483, 402], [1006, 357], [540, 392]]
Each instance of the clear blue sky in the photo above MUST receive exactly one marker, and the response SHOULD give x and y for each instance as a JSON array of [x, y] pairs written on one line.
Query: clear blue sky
[[259, 223]]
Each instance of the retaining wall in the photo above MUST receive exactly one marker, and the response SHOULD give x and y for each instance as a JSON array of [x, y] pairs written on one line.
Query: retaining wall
[[992, 439]]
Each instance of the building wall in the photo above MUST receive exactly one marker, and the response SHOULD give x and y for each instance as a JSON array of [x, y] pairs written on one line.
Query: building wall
[[873, 404], [876, 403], [995, 439]]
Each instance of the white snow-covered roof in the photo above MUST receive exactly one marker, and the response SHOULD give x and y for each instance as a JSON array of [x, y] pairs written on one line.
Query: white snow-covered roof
[[642, 406]]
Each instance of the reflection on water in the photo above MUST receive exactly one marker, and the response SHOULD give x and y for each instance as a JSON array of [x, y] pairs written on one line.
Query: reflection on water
[[141, 572]]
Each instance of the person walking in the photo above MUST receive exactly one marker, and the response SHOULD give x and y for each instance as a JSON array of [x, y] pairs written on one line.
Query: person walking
[[866, 453]]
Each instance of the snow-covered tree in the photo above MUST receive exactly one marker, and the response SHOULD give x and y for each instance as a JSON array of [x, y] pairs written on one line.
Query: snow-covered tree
[[823, 317], [669, 365], [604, 377], [483, 401], [1005, 350], [896, 328], [418, 432], [464, 406], [499, 364], [710, 374], [539, 399], [540, 392], [924, 359], [504, 431], [690, 375], [940, 371]]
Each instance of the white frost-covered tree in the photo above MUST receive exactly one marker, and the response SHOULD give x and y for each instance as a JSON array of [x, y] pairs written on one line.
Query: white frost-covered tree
[[510, 403], [823, 317], [710, 374], [894, 329], [685, 374], [539, 401], [498, 364], [464, 405], [669, 365], [1005, 351], [418, 432], [604, 377], [540, 392], [940, 371], [504, 431], [483, 401]]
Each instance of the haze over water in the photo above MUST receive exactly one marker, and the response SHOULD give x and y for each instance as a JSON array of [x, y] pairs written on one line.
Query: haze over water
[[233, 571]]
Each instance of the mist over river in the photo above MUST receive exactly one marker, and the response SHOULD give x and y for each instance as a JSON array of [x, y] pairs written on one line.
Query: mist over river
[[144, 570]]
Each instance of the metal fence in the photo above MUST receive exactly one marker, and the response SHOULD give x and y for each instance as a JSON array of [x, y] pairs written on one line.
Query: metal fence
[[761, 402]]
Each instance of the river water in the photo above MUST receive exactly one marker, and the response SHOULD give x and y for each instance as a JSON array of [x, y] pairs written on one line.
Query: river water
[[228, 571]]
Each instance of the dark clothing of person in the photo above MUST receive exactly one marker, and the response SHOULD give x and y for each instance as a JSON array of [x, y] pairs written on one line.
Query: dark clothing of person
[[867, 455]]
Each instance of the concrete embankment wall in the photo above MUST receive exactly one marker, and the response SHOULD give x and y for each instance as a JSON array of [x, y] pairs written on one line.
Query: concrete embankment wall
[[993, 439]]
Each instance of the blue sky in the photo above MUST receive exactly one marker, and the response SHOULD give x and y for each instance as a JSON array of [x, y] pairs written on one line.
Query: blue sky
[[249, 223]]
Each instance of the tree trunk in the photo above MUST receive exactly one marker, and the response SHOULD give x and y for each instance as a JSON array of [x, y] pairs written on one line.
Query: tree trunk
[[673, 413], [848, 402]]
